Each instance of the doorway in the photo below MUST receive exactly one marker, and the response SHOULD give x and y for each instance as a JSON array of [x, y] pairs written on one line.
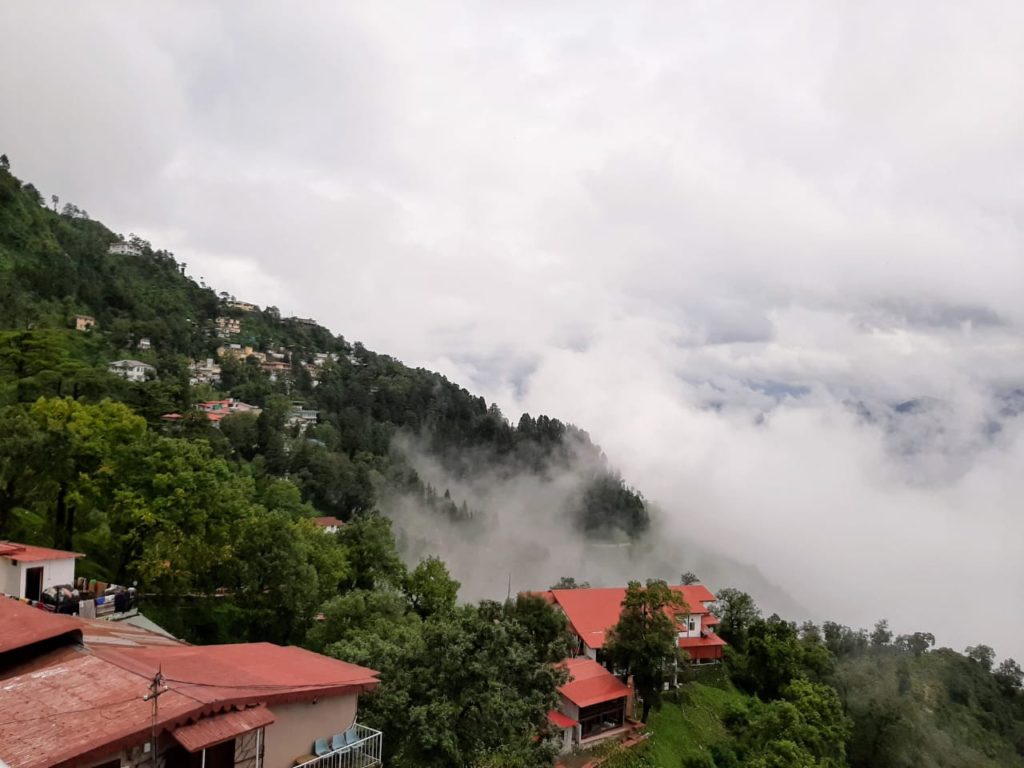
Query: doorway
[[34, 583]]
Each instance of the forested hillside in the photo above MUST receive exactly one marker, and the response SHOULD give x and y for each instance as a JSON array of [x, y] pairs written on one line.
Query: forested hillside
[[56, 265]]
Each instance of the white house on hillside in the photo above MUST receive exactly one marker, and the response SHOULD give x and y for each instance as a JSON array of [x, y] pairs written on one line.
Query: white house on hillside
[[133, 370], [25, 571], [124, 249]]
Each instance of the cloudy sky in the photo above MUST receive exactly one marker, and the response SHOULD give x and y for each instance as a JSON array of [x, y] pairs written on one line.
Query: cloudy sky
[[728, 239]]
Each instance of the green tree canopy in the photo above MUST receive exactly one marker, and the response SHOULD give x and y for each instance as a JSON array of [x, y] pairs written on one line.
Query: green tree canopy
[[644, 641]]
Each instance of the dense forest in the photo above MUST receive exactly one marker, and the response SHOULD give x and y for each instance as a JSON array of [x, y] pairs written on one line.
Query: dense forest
[[212, 519]]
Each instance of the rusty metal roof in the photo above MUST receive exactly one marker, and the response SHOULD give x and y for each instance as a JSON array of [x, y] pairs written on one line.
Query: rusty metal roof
[[21, 625], [212, 730], [93, 697], [27, 553]]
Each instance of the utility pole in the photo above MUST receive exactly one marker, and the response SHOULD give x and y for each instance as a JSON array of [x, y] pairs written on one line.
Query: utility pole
[[156, 688]]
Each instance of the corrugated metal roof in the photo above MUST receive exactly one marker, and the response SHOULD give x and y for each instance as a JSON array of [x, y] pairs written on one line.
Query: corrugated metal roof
[[212, 730], [28, 553], [590, 683], [86, 701], [22, 625]]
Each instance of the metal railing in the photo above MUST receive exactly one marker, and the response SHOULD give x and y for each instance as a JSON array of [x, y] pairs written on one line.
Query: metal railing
[[364, 752]]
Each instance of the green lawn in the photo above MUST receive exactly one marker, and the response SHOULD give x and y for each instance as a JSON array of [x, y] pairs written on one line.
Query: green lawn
[[689, 727]]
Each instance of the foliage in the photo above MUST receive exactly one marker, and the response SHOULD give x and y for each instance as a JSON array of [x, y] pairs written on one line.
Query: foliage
[[643, 643], [737, 611], [430, 589], [775, 656], [568, 582], [462, 687]]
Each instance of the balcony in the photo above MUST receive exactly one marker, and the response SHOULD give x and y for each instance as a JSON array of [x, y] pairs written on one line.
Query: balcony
[[361, 750]]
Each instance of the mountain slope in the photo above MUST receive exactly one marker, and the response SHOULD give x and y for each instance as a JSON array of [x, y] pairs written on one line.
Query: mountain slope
[[55, 266]]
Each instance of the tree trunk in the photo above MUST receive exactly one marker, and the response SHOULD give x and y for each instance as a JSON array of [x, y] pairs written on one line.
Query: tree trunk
[[64, 519], [646, 709], [8, 501], [59, 515]]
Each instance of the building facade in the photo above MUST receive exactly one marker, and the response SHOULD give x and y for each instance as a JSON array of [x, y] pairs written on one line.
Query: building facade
[[26, 571]]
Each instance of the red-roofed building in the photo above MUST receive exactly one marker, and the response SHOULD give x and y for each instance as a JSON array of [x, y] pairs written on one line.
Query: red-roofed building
[[25, 570], [72, 693], [593, 704], [592, 612], [328, 524]]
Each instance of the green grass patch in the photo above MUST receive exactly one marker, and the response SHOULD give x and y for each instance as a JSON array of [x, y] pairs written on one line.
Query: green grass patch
[[690, 722]]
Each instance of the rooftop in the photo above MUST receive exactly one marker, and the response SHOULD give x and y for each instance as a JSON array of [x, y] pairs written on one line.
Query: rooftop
[[27, 553], [592, 612], [91, 688], [23, 626], [590, 683]]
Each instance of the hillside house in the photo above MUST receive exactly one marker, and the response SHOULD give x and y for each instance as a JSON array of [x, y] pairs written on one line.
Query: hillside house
[[308, 321], [243, 306], [592, 612], [228, 326], [25, 570], [84, 322], [132, 370], [74, 693], [303, 417], [204, 372], [275, 368], [238, 352], [216, 410], [594, 705], [122, 248], [328, 524], [144, 344]]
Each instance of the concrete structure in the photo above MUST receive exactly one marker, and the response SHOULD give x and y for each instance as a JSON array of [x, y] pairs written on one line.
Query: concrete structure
[[144, 343], [228, 326], [73, 695], [25, 570], [303, 417], [133, 370], [238, 352], [204, 372], [124, 249], [84, 322], [244, 306]]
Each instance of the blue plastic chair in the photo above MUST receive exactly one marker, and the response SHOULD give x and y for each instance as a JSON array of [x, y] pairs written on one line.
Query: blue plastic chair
[[351, 737], [320, 747], [337, 741]]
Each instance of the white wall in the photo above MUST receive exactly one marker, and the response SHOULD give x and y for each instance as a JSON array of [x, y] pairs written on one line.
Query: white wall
[[10, 578], [55, 572]]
